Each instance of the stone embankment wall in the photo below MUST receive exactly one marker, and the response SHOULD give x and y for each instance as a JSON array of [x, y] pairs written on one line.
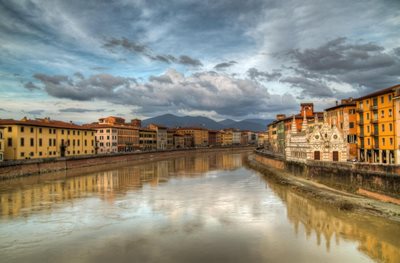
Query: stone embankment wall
[[40, 166], [351, 177]]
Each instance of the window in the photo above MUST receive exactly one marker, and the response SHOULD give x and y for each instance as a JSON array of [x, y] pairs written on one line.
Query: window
[[85, 133], [390, 112], [22, 154], [367, 116], [383, 127], [351, 125], [391, 141], [68, 132], [32, 142], [382, 99], [382, 114], [31, 154], [50, 142], [40, 153], [335, 156], [73, 142], [54, 142], [31, 130], [50, 131], [79, 143], [9, 142], [390, 127], [9, 129], [368, 128], [62, 132], [50, 153], [40, 130], [79, 133], [40, 142], [390, 97], [369, 141], [73, 132], [85, 142], [54, 131], [383, 141], [22, 142], [22, 129]]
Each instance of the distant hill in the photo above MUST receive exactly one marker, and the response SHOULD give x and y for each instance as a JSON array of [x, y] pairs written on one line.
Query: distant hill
[[173, 121]]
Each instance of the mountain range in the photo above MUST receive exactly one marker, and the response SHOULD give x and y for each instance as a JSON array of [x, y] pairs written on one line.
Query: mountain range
[[172, 121]]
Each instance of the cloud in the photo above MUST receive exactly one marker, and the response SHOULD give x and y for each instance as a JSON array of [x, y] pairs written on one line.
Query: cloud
[[145, 51], [310, 88], [172, 91], [255, 74], [224, 65], [358, 64], [34, 112], [30, 86], [79, 110]]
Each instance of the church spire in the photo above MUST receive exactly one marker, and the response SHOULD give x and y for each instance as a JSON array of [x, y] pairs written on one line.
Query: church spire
[[294, 127], [305, 123]]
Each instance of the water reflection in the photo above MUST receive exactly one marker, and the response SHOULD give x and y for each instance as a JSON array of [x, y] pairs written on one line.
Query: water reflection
[[377, 238], [24, 195], [196, 208]]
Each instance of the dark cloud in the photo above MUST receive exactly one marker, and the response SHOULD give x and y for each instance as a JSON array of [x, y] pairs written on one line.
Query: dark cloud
[[161, 79], [145, 51], [186, 60], [309, 87], [30, 86], [224, 65], [360, 64], [206, 91], [255, 74], [80, 110]]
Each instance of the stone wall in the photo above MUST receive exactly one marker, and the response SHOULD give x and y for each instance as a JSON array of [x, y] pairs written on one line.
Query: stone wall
[[13, 169], [351, 177]]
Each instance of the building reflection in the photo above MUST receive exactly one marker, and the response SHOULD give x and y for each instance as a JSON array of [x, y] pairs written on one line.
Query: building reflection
[[23, 196], [376, 238]]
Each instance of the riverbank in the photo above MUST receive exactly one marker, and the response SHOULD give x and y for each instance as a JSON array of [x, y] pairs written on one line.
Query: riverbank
[[339, 199], [42, 166]]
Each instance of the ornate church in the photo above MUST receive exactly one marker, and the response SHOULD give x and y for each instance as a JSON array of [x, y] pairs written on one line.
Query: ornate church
[[317, 141]]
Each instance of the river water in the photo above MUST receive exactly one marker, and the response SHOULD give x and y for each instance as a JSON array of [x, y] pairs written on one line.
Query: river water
[[193, 208]]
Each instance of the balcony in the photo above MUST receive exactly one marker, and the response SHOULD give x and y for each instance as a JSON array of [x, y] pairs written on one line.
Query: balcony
[[360, 110], [374, 120], [373, 107]]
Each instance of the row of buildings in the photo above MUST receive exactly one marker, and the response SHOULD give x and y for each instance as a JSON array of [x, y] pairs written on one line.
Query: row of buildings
[[366, 129], [46, 138]]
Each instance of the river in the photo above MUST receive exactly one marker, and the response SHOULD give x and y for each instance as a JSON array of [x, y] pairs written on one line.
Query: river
[[193, 208]]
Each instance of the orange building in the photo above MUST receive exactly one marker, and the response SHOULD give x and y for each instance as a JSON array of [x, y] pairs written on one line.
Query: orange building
[[200, 135], [376, 129], [344, 116]]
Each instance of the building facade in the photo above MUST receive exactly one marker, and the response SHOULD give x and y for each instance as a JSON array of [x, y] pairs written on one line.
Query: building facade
[[1, 144], [45, 138], [147, 139], [344, 116], [113, 134], [321, 142], [376, 127], [162, 136], [200, 135]]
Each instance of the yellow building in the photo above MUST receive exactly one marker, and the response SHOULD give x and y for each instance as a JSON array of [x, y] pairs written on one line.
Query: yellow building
[[376, 129], [45, 138], [1, 144], [226, 137], [200, 135]]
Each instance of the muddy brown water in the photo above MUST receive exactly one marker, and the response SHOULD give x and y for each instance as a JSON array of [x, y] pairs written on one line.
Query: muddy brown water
[[196, 208]]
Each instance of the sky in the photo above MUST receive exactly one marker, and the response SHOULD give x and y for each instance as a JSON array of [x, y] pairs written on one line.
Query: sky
[[82, 60]]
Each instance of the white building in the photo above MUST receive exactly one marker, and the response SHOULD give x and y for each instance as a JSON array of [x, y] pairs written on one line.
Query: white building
[[321, 142], [236, 137]]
